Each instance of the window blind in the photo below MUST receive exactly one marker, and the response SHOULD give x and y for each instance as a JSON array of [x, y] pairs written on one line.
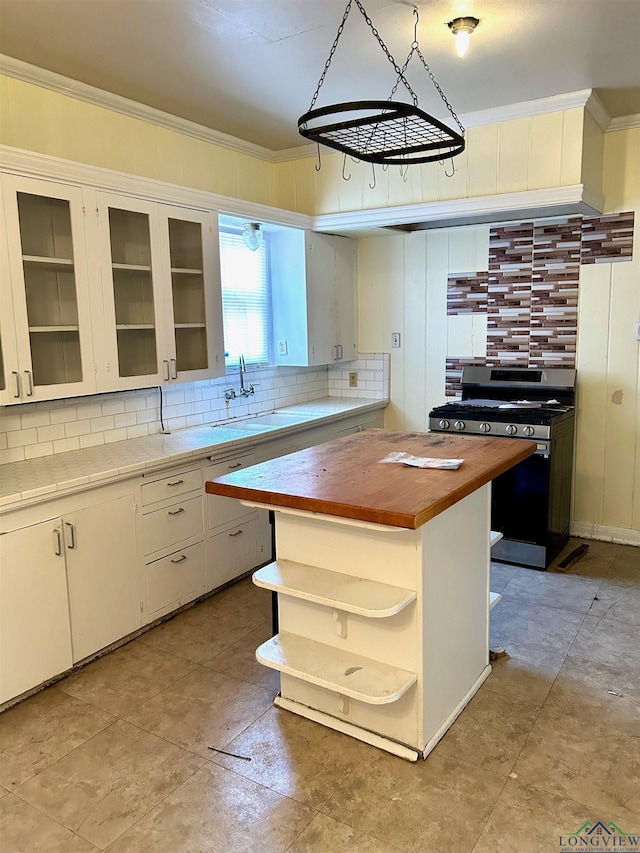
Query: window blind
[[245, 299]]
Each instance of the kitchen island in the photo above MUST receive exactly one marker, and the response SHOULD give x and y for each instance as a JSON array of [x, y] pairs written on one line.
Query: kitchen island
[[382, 577]]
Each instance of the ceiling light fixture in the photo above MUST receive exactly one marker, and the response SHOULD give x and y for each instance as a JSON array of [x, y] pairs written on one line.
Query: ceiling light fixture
[[379, 131], [252, 235], [462, 29]]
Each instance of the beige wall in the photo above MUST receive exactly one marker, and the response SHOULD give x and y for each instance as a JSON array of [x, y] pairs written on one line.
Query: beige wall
[[37, 119], [607, 492], [523, 154]]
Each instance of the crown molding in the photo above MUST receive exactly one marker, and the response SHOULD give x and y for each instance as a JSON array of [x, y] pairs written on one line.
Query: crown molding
[[624, 123], [598, 111], [46, 167], [117, 103], [554, 201]]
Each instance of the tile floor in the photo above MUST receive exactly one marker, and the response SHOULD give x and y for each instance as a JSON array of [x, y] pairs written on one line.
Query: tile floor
[[115, 757]]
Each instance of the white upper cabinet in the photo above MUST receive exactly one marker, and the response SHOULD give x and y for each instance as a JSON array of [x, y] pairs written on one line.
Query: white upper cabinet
[[194, 306], [44, 293], [161, 291], [313, 279]]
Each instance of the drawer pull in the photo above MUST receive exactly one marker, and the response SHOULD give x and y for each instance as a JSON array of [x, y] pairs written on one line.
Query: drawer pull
[[176, 483], [237, 533], [180, 559], [177, 511], [236, 465]]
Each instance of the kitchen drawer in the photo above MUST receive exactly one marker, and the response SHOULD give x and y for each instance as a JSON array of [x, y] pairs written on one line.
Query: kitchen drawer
[[225, 511], [171, 487], [176, 579], [232, 552], [169, 525]]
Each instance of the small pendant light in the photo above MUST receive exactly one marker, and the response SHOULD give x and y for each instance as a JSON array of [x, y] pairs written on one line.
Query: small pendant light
[[252, 235]]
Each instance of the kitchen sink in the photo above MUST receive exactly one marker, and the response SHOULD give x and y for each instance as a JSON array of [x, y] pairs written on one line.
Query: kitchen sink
[[274, 420]]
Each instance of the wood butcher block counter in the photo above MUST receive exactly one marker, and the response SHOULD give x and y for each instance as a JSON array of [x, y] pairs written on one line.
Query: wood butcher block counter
[[345, 478], [382, 578]]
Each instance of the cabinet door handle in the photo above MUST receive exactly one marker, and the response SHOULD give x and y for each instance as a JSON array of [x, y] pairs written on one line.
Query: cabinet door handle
[[237, 533], [339, 348], [16, 376], [58, 542], [174, 368], [176, 483], [180, 559], [165, 369], [29, 383], [235, 465], [72, 532], [177, 511]]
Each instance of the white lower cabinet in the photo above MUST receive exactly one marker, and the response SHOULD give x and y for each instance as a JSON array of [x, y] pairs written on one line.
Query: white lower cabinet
[[239, 537], [35, 636], [69, 586], [102, 573], [172, 539], [176, 579]]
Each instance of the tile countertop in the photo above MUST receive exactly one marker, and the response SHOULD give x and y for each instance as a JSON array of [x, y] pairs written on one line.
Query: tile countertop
[[49, 475]]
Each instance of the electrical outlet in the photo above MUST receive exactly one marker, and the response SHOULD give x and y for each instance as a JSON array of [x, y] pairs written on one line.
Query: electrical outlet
[[395, 340], [638, 331], [353, 379], [282, 347]]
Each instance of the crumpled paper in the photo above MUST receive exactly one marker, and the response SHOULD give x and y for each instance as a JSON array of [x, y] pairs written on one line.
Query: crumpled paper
[[422, 461]]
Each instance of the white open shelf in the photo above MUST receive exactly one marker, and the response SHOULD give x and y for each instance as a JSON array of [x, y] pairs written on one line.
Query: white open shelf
[[338, 670], [185, 271], [132, 267], [333, 589]]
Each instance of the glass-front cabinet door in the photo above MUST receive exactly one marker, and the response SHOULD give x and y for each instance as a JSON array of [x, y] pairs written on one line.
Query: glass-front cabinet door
[[194, 310], [49, 291], [132, 272], [162, 297]]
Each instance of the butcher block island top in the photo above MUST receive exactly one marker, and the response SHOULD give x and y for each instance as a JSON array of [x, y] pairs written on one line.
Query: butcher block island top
[[345, 477]]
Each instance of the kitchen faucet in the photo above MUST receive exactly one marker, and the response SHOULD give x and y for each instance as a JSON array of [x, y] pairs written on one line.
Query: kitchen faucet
[[230, 393]]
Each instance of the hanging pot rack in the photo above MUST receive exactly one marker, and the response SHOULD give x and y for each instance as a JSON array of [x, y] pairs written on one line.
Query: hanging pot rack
[[386, 132]]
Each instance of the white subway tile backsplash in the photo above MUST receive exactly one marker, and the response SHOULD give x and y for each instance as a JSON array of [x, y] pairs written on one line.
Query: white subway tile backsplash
[[35, 418], [77, 428], [65, 444], [92, 440], [35, 451], [41, 429], [22, 437]]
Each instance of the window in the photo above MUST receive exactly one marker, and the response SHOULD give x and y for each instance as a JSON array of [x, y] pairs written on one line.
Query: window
[[245, 299]]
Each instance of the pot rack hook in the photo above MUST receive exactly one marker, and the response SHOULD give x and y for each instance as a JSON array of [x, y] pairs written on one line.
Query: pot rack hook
[[318, 164], [415, 27], [373, 171], [344, 166], [453, 170]]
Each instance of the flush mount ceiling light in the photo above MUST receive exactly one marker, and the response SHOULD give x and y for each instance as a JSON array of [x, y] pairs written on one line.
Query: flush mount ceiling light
[[462, 29], [377, 131], [252, 235]]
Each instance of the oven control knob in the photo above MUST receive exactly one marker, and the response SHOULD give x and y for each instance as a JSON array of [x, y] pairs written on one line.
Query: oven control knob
[[528, 430], [459, 425], [443, 424], [485, 427], [512, 429]]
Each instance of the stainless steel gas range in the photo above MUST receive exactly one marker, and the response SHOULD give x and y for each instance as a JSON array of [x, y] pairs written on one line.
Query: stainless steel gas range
[[531, 503]]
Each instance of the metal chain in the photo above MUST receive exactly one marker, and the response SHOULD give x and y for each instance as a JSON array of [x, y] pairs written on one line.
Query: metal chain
[[399, 71], [396, 67], [440, 92], [331, 52]]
